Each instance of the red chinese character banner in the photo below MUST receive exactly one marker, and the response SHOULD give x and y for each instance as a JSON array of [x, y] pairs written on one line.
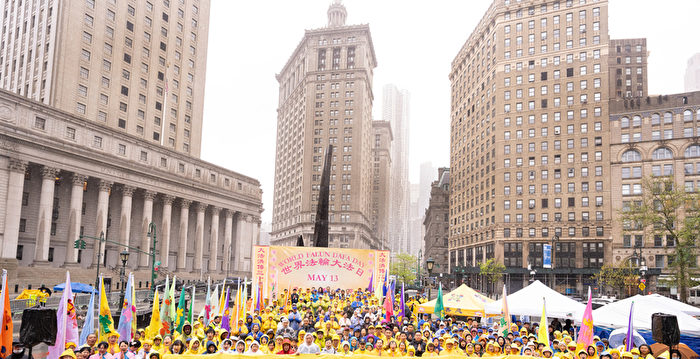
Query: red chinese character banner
[[280, 268]]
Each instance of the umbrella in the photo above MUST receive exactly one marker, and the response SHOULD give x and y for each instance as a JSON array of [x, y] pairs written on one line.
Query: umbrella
[[686, 352], [75, 287], [618, 335]]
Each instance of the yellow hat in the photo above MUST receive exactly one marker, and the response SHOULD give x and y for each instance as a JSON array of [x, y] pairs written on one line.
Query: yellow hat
[[70, 344], [67, 353]]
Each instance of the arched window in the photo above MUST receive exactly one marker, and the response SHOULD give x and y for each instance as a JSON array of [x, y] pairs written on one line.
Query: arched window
[[692, 151], [662, 153], [636, 121], [631, 156], [698, 115], [624, 122], [687, 115], [655, 119], [668, 117]]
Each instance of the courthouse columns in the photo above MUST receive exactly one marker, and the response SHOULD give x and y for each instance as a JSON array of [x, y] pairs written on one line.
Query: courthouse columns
[[228, 235], [148, 197], [241, 229], [43, 231], [199, 237], [13, 209], [214, 239], [182, 243], [125, 222], [75, 216], [104, 188], [164, 230]]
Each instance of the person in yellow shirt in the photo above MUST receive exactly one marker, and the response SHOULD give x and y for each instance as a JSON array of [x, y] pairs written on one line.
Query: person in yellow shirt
[[470, 350], [430, 350], [450, 348], [392, 349], [194, 347], [411, 351]]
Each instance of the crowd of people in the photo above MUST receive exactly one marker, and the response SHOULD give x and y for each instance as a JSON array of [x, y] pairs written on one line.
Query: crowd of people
[[338, 322]]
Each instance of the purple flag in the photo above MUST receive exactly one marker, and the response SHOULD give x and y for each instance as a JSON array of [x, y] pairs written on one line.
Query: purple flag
[[370, 287], [629, 344], [226, 319], [402, 305], [66, 322], [127, 313]]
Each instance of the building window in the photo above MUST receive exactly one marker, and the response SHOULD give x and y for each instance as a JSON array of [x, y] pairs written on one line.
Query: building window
[[144, 156], [122, 149], [97, 142], [70, 133], [51, 250]]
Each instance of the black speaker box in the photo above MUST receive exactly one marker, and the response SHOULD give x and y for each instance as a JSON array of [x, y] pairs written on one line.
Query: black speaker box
[[38, 326], [664, 329]]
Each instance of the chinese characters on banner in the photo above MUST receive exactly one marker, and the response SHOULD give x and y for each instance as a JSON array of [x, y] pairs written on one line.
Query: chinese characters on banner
[[280, 268]]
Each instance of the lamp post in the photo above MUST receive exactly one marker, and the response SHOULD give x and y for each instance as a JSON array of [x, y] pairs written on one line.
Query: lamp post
[[641, 265], [555, 239], [430, 263], [152, 234], [124, 256]]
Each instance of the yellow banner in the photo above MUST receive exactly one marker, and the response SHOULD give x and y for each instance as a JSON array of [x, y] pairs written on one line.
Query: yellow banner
[[278, 268], [323, 356]]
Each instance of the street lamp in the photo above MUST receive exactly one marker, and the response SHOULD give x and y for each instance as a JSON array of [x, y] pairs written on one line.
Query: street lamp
[[124, 256], [430, 263]]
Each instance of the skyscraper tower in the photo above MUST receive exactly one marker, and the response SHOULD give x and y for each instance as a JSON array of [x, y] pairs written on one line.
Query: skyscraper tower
[[325, 97], [395, 110], [529, 152], [136, 66]]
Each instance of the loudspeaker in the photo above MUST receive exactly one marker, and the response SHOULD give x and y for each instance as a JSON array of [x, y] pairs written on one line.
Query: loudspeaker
[[38, 326], [664, 328]]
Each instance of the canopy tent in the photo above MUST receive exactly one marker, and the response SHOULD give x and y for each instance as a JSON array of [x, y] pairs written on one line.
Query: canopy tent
[[664, 302], [616, 315], [462, 301], [528, 301], [75, 287]]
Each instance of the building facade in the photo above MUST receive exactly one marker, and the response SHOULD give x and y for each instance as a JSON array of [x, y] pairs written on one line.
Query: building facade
[[436, 223], [529, 143], [655, 138], [627, 66], [62, 177], [395, 110], [325, 97], [692, 74], [381, 182], [138, 67]]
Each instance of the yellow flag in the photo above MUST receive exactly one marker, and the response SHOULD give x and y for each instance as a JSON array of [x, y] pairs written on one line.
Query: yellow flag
[[154, 328], [543, 332], [105, 321]]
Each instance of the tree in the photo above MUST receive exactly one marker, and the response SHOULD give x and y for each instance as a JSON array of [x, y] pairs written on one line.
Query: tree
[[404, 267], [667, 210], [620, 278], [492, 270]]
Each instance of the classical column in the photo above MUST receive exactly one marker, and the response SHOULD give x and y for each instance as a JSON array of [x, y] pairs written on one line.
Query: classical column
[[164, 230], [214, 239], [182, 244], [228, 235], [148, 197], [76, 216], [199, 237], [43, 230], [104, 188], [13, 209], [125, 221], [241, 238]]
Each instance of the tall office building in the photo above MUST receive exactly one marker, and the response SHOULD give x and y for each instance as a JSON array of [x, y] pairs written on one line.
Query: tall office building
[[135, 66], [436, 223], [325, 97], [692, 74], [529, 148], [627, 67], [395, 110], [381, 182]]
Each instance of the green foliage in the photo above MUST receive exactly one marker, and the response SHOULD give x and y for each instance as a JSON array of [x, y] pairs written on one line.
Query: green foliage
[[404, 267], [621, 278], [492, 270], [675, 213]]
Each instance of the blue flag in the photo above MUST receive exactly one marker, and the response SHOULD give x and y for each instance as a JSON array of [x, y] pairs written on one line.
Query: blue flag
[[384, 285], [128, 313], [89, 325]]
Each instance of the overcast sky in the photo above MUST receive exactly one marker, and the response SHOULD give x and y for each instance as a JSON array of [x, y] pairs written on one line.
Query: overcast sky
[[415, 42]]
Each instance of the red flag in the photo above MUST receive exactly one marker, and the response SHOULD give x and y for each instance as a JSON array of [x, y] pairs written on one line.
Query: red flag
[[388, 308]]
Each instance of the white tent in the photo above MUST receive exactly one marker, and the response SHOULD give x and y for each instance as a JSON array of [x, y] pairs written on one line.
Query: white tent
[[664, 302], [616, 315], [528, 301]]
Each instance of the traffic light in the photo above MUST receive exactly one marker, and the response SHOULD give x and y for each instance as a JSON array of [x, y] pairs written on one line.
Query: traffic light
[[643, 280], [156, 266], [79, 244]]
